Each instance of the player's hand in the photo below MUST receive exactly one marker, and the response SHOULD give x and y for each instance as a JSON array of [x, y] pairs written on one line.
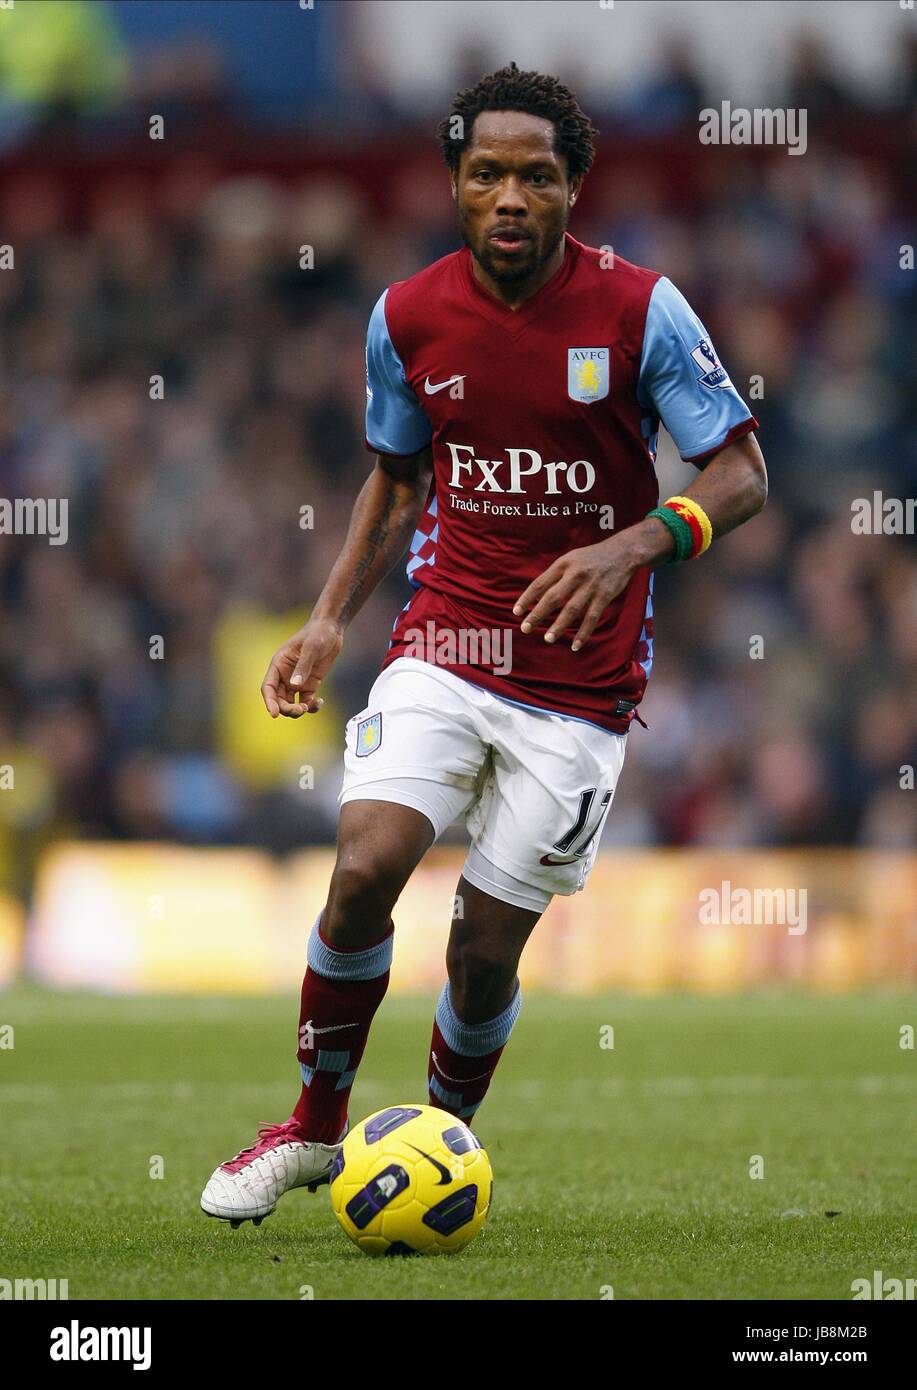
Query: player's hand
[[577, 588], [298, 667]]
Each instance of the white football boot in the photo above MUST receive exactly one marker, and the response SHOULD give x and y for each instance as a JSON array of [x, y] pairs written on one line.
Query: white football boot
[[247, 1188]]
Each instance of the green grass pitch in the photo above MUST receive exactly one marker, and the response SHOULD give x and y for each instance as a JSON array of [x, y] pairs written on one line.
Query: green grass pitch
[[625, 1167]]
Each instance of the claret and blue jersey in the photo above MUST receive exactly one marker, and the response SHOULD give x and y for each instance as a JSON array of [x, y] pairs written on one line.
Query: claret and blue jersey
[[543, 423]]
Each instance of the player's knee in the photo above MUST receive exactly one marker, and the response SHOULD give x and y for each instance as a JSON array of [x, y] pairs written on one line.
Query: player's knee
[[479, 967], [361, 896]]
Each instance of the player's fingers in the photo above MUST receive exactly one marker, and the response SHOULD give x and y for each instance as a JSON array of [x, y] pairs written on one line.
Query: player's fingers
[[549, 603], [299, 677], [290, 710], [307, 693], [270, 691], [588, 625], [568, 615], [539, 585]]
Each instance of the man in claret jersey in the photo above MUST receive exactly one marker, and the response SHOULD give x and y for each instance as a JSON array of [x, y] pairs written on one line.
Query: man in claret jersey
[[514, 394]]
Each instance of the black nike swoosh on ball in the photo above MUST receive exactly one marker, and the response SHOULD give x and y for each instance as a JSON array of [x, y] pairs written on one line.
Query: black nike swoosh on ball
[[445, 1175]]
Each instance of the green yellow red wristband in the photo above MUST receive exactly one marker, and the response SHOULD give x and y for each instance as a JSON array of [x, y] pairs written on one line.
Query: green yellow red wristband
[[689, 524], [696, 518], [681, 532]]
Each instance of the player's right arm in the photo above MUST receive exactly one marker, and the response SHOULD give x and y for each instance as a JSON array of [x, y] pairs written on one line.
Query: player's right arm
[[383, 520]]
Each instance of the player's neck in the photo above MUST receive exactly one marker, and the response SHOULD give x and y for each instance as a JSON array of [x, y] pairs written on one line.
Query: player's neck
[[515, 295]]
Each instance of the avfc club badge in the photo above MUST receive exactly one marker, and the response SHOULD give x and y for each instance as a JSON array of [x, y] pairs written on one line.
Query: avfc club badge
[[587, 374], [369, 735], [713, 373]]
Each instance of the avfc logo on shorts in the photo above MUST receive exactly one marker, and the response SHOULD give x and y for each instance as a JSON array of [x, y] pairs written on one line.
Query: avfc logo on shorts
[[369, 735], [587, 374], [713, 373]]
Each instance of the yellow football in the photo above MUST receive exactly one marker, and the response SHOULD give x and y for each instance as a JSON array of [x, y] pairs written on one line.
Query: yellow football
[[409, 1180]]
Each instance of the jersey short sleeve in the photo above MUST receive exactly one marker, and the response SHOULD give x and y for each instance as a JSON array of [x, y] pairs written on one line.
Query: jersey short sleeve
[[395, 420], [682, 378]]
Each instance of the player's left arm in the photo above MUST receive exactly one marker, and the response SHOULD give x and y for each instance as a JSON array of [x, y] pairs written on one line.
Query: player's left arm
[[683, 382], [580, 585]]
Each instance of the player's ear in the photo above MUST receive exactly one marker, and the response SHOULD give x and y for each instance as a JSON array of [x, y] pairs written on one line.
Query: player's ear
[[453, 184], [575, 185]]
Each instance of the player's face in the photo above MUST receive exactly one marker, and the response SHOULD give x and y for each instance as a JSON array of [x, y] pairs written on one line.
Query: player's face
[[513, 196]]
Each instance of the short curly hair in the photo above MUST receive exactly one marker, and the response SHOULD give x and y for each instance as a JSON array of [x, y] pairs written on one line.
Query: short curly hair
[[510, 89]]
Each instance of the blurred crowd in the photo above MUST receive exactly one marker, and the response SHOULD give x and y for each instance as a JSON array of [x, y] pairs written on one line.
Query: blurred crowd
[[168, 366], [92, 71]]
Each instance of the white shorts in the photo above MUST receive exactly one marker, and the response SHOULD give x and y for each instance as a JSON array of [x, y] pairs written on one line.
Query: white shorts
[[534, 788]]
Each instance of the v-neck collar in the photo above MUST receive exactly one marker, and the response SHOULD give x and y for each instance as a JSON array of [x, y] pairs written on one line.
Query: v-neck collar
[[515, 320]]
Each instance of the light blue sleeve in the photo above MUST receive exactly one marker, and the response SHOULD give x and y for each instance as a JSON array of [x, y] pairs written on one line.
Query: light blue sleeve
[[682, 378], [395, 420]]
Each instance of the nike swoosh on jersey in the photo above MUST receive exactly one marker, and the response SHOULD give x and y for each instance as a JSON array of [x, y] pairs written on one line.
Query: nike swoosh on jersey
[[432, 389], [548, 859]]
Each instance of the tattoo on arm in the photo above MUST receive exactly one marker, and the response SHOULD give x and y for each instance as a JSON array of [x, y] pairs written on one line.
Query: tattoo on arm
[[376, 541]]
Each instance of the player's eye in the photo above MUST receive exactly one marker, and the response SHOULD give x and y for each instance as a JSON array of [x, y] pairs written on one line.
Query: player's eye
[[542, 177]]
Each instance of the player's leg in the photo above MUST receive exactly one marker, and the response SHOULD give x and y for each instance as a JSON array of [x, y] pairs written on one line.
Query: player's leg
[[481, 999], [411, 767], [535, 832], [380, 843]]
